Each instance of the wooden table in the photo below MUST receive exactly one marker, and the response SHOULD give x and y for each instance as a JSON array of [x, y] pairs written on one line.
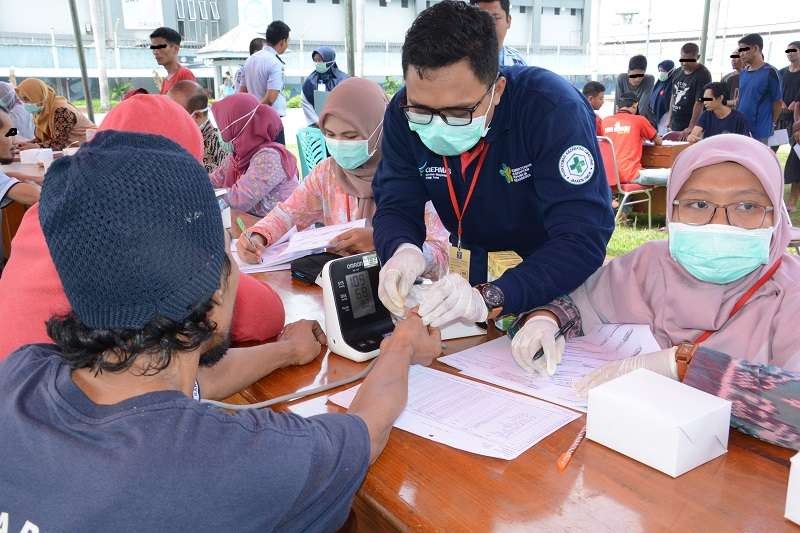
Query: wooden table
[[420, 485], [659, 157], [12, 214]]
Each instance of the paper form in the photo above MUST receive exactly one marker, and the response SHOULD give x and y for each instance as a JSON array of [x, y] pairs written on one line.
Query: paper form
[[471, 416], [492, 362], [274, 257], [318, 238]]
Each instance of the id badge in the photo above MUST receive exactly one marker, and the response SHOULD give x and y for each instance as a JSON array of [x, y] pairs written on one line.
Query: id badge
[[459, 262]]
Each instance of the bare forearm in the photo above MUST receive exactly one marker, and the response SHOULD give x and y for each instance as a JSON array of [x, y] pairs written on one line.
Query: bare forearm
[[777, 108], [241, 367], [270, 97], [696, 111], [24, 193], [383, 395]]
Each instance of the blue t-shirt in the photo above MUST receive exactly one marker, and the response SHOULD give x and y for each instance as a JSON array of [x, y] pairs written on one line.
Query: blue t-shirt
[[164, 462], [758, 90], [736, 122], [542, 192]]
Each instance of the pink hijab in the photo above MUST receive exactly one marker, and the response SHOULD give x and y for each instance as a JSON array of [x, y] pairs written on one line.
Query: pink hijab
[[252, 127], [648, 287]]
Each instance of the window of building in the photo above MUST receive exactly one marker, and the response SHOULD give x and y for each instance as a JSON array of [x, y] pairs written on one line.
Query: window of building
[[556, 10], [523, 9], [192, 9], [335, 2], [311, 1], [214, 10], [382, 3], [404, 4], [428, 3], [203, 9], [181, 9], [573, 11], [182, 29]]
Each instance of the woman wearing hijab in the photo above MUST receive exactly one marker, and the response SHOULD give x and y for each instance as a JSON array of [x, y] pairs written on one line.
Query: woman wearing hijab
[[260, 172], [31, 290], [326, 73], [722, 296], [339, 189], [660, 96], [11, 104], [58, 123]]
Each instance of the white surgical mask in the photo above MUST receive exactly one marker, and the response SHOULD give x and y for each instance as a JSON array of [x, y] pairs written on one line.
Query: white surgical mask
[[663, 76]]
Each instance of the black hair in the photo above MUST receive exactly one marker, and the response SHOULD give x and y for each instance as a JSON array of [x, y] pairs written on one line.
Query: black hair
[[690, 48], [168, 34], [637, 62], [505, 5], [753, 39], [448, 32], [795, 44], [627, 99], [717, 89], [84, 347], [257, 44], [276, 32], [593, 88], [197, 102]]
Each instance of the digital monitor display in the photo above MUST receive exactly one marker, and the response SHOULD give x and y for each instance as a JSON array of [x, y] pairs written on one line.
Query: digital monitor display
[[360, 292]]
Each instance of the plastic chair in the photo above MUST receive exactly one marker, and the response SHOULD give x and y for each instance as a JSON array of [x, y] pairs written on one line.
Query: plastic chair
[[625, 190], [795, 242], [311, 148]]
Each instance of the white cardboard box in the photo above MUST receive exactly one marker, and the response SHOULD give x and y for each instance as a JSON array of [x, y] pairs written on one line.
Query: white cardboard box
[[793, 494], [658, 421]]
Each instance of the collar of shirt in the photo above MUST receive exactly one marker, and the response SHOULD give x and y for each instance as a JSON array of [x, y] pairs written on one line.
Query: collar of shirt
[[273, 52]]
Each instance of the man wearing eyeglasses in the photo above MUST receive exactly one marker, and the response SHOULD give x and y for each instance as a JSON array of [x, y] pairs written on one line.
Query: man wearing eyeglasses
[[510, 161], [731, 79], [760, 96], [687, 88], [166, 45]]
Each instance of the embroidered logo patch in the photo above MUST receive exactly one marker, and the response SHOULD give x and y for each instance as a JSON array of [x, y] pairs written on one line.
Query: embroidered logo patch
[[515, 175], [576, 165], [505, 171]]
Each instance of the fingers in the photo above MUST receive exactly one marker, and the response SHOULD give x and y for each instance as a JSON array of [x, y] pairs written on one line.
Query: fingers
[[318, 333], [389, 292]]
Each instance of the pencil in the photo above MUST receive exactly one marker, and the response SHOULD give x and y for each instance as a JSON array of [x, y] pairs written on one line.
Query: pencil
[[566, 457]]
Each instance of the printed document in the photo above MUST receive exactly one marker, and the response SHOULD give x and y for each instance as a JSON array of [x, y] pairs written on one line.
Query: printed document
[[319, 238]]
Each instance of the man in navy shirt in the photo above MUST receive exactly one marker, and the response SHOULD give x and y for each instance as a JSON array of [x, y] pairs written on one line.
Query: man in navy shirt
[[103, 432], [760, 93], [509, 160]]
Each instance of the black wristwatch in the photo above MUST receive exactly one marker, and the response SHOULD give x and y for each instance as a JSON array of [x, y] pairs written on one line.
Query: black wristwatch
[[492, 295]]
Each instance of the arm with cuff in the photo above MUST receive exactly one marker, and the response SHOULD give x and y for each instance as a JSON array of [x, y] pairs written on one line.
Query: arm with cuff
[[263, 175]]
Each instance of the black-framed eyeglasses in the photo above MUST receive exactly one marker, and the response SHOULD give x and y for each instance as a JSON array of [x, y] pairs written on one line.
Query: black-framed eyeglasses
[[735, 56], [158, 46], [791, 50], [744, 49], [453, 116], [746, 215], [12, 132]]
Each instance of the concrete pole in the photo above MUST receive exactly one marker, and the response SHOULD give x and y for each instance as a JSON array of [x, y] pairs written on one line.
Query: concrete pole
[[76, 29], [704, 30], [98, 20], [350, 36]]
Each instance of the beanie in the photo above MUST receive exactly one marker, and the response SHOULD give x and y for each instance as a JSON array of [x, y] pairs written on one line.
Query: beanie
[[134, 230], [667, 65], [637, 63]]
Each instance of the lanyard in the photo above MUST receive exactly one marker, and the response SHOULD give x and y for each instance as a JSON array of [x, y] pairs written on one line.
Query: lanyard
[[461, 211], [744, 299]]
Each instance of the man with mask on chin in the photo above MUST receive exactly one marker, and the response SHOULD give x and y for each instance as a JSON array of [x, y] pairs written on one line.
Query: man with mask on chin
[[106, 422], [510, 161], [11, 189]]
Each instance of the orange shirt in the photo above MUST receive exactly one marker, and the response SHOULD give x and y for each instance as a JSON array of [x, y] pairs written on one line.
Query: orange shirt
[[182, 73], [627, 132]]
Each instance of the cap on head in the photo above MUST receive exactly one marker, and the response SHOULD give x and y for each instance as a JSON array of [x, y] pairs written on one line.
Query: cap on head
[[134, 230]]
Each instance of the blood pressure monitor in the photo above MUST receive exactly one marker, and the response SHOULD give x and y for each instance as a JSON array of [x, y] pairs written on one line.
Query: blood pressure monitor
[[355, 320]]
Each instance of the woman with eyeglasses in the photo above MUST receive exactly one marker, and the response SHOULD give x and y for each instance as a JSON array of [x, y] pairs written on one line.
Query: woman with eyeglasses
[[722, 295], [58, 123], [339, 189], [718, 117], [260, 172]]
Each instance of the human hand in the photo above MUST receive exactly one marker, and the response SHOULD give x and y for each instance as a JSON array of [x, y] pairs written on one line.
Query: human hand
[[305, 338], [425, 342], [658, 140], [354, 241], [537, 333], [452, 298], [693, 138], [662, 362], [28, 146], [397, 277], [250, 250], [685, 134]]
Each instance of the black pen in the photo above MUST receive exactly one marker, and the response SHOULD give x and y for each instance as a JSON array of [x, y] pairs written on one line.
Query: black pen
[[563, 331]]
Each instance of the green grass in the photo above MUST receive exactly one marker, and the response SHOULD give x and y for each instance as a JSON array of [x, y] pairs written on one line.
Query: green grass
[[626, 239], [81, 104]]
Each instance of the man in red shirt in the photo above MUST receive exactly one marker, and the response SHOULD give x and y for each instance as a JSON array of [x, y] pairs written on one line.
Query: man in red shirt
[[627, 130], [166, 44]]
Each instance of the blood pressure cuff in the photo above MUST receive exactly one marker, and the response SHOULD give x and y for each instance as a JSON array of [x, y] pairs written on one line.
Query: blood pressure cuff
[[308, 268]]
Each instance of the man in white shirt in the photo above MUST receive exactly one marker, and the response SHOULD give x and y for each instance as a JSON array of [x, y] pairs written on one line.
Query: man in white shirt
[[500, 10]]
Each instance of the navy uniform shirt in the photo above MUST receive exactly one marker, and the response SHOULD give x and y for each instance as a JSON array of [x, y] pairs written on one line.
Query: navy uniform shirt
[[542, 191]]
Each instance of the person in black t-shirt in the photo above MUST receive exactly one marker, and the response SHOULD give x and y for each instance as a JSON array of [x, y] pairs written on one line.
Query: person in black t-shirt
[[718, 117], [731, 79], [687, 86], [790, 76]]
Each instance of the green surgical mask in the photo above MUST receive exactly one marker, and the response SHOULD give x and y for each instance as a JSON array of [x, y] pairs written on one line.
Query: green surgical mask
[[444, 139], [32, 108], [663, 76], [321, 67], [351, 154], [718, 253]]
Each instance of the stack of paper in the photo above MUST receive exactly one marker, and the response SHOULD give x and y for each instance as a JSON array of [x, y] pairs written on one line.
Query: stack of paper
[[492, 362], [319, 238], [472, 416], [275, 257]]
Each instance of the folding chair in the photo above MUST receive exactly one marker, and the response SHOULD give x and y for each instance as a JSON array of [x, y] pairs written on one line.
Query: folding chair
[[311, 148], [795, 242], [625, 190]]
